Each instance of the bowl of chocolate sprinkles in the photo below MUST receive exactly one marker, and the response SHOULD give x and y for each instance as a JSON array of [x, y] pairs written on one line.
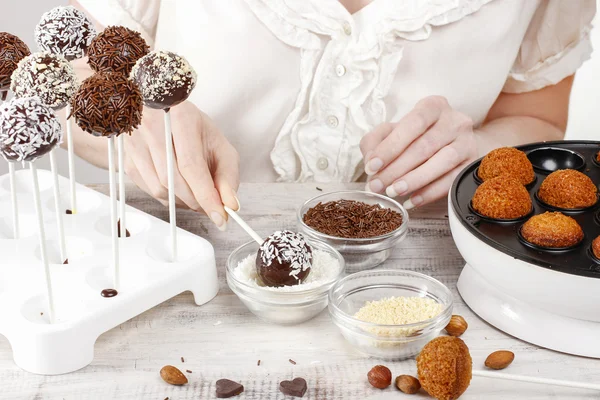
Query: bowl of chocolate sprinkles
[[364, 227]]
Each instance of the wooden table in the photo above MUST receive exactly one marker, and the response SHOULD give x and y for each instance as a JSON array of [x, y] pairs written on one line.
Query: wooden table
[[223, 340]]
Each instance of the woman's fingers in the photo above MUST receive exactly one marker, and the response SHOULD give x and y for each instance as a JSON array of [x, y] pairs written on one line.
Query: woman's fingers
[[435, 190], [140, 168], [227, 174], [426, 113], [369, 142]]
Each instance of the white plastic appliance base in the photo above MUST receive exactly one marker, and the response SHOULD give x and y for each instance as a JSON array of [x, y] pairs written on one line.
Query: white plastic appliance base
[[148, 277], [552, 331]]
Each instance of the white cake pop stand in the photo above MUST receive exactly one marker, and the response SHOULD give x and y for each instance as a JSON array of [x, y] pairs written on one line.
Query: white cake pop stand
[[148, 277]]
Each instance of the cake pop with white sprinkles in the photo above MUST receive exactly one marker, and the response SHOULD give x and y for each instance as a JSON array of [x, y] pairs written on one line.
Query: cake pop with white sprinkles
[[47, 76], [12, 50], [284, 259], [65, 31], [165, 79], [28, 129]]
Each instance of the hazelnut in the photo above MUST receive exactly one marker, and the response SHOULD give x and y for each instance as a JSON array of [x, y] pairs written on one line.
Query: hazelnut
[[457, 326], [380, 376], [408, 384]]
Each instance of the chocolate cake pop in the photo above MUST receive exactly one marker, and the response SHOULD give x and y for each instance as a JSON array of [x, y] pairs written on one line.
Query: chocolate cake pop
[[284, 259], [28, 129], [12, 50], [165, 79], [116, 49], [47, 76], [107, 104], [65, 31]]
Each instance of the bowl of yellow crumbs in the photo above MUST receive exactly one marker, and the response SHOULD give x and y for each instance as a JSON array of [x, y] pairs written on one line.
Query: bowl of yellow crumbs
[[390, 314]]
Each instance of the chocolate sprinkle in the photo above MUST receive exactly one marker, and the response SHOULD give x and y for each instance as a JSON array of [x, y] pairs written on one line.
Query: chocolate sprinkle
[[12, 50], [182, 360], [28, 129], [65, 31], [352, 219], [188, 371], [47, 76], [107, 104], [116, 49], [292, 361]]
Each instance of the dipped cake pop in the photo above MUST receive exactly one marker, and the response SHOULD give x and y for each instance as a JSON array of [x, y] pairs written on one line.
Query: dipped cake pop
[[12, 50], [165, 79], [116, 49], [47, 76], [65, 31], [284, 259], [28, 129], [445, 368], [107, 104]]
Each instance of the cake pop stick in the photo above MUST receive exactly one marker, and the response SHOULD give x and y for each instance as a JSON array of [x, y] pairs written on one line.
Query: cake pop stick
[[57, 205], [165, 80], [122, 225], [13, 199], [532, 379], [244, 225], [29, 130], [113, 211], [71, 156]]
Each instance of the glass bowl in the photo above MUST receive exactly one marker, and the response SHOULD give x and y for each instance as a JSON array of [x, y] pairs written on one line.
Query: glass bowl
[[282, 307], [390, 342], [360, 254]]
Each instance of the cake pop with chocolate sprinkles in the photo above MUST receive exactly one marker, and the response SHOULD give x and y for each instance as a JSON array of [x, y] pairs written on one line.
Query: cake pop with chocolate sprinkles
[[116, 49], [65, 31], [284, 259], [47, 76], [12, 50], [165, 79], [107, 104], [28, 129]]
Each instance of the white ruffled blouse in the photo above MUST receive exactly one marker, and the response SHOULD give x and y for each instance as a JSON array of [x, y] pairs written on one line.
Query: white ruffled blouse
[[295, 84]]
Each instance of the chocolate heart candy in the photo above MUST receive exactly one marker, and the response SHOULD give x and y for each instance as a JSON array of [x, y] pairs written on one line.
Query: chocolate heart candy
[[295, 388], [227, 388]]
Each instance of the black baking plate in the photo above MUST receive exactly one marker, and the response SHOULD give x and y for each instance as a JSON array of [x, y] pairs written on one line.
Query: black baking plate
[[505, 236]]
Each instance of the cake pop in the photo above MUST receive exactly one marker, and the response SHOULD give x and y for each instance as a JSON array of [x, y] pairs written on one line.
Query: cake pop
[[165, 79], [47, 76], [28, 129], [284, 259], [65, 31], [12, 50], [116, 49], [107, 104]]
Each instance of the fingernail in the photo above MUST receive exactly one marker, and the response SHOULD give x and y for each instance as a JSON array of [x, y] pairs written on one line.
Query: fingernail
[[375, 186], [218, 220], [239, 207], [373, 166], [413, 202], [397, 189]]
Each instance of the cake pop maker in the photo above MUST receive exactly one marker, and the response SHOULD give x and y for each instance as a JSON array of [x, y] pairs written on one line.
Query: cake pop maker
[[550, 298]]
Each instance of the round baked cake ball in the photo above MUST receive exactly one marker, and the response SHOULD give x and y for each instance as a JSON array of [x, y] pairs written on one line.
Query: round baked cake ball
[[107, 104], [445, 367], [506, 161], [65, 31], [502, 197], [284, 259], [569, 189], [165, 79], [116, 49], [12, 50], [552, 230], [596, 247], [28, 129], [47, 76]]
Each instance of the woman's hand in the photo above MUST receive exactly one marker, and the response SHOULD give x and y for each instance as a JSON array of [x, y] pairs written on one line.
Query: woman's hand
[[421, 154], [206, 164]]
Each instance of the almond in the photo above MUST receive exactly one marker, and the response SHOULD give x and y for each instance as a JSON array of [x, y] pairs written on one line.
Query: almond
[[499, 359], [172, 375], [457, 326], [408, 384]]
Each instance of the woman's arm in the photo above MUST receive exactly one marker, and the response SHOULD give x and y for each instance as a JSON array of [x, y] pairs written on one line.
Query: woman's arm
[[422, 153]]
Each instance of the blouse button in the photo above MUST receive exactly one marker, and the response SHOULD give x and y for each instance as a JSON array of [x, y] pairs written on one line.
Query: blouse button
[[332, 121], [347, 28], [322, 163], [340, 70]]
